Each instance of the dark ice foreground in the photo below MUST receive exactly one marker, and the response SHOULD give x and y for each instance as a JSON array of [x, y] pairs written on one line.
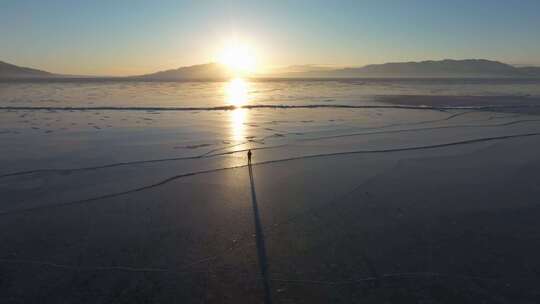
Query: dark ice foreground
[[340, 205]]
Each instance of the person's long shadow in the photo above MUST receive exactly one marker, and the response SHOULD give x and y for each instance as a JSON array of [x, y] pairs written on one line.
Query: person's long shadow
[[259, 235]]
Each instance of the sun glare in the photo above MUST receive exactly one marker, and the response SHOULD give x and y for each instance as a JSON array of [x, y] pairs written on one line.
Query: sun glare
[[236, 92], [240, 59]]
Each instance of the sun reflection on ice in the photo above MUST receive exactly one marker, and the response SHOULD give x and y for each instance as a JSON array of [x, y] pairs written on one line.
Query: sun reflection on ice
[[237, 95], [238, 127], [236, 92]]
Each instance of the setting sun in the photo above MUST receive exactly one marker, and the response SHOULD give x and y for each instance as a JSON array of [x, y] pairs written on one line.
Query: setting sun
[[239, 59]]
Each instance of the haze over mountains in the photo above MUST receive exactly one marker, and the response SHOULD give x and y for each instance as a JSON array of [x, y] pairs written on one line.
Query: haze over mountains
[[424, 69], [199, 71], [428, 69]]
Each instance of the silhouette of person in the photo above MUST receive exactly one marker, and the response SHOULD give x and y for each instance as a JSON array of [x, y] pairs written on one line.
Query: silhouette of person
[[249, 156]]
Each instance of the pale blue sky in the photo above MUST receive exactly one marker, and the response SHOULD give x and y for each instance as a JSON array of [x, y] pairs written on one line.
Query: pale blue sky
[[131, 37]]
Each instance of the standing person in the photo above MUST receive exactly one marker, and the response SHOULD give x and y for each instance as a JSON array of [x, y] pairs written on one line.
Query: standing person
[[249, 157]]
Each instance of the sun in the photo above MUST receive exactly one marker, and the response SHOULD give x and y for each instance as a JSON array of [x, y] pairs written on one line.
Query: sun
[[239, 58]]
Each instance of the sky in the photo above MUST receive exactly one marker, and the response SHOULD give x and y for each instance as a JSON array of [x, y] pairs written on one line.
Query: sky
[[130, 37]]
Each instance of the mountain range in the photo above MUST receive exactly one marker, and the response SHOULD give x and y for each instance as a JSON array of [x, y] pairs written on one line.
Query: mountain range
[[12, 71], [447, 68]]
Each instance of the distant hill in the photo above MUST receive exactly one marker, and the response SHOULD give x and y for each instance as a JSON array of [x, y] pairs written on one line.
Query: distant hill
[[200, 71], [442, 68], [12, 71]]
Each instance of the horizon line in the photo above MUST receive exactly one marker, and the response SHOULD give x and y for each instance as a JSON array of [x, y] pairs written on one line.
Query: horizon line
[[266, 74]]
